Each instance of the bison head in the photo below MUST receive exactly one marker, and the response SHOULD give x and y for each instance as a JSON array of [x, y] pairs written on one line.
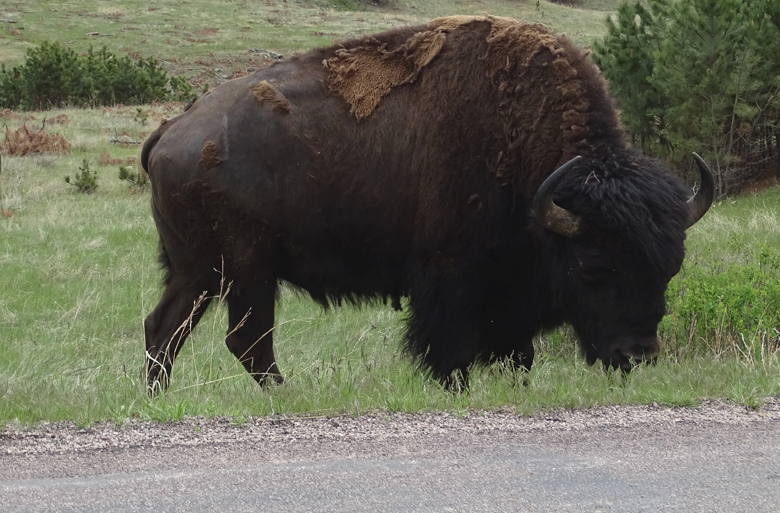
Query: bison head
[[621, 222]]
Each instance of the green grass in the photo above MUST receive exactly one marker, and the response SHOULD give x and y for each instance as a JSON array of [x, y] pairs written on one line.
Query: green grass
[[78, 273], [727, 296], [197, 36]]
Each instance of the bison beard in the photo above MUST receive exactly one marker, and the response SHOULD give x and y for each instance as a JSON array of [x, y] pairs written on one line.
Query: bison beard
[[419, 162]]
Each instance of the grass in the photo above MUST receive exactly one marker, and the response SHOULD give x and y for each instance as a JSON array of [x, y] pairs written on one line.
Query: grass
[[214, 40], [78, 272], [727, 296]]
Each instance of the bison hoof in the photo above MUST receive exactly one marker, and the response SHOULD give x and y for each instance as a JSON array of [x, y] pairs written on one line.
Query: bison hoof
[[156, 381], [265, 379], [155, 386]]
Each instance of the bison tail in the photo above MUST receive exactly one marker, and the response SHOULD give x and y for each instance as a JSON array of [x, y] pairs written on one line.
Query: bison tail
[[148, 145], [150, 142]]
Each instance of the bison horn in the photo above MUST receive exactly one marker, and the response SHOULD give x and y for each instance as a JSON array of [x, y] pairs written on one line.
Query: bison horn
[[700, 202], [547, 213]]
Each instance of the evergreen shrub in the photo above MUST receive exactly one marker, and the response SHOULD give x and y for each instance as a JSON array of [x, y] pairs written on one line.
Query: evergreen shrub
[[54, 76]]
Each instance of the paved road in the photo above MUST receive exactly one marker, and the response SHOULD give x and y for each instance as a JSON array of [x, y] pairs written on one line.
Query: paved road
[[629, 459]]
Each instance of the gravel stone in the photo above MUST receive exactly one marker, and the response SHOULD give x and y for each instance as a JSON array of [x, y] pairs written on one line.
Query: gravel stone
[[65, 437]]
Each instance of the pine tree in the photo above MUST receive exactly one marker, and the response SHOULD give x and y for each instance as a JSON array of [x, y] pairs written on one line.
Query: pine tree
[[765, 125], [625, 57], [708, 70], [698, 75]]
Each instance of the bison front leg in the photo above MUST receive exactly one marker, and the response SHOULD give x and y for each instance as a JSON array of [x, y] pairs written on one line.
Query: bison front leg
[[518, 359], [444, 333], [506, 343], [168, 326], [250, 333]]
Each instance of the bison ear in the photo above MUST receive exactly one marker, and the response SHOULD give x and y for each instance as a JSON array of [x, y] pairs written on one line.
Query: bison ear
[[700, 201], [547, 213]]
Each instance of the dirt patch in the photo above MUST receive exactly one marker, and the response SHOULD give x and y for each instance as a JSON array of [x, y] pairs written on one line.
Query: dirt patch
[[265, 93], [24, 141], [209, 155], [212, 70], [759, 184], [107, 160], [59, 119]]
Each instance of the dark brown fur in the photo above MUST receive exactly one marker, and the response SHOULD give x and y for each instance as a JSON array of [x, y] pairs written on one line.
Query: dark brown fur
[[407, 168]]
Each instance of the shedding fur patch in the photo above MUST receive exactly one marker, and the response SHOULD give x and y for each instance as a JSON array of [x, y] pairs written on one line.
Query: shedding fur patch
[[363, 75], [209, 155], [451, 23], [265, 93]]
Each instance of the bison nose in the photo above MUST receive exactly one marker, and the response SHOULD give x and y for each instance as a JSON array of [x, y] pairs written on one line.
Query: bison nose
[[639, 349]]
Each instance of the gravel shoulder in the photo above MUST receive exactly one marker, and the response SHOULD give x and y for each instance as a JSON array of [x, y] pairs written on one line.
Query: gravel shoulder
[[63, 437]]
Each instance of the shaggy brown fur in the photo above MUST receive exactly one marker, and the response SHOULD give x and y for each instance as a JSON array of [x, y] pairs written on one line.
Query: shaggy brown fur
[[551, 100], [363, 75], [264, 93], [526, 60]]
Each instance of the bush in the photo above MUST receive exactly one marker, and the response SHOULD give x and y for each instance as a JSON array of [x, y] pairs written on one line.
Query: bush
[[56, 76], [728, 306], [86, 180], [138, 181]]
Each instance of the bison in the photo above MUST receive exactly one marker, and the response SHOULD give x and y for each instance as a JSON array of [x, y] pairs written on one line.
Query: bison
[[474, 165]]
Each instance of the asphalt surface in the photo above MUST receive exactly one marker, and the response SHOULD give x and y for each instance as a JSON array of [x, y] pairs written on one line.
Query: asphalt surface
[[717, 457]]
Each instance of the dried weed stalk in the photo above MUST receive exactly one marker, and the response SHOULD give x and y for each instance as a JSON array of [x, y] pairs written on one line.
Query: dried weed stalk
[[23, 141]]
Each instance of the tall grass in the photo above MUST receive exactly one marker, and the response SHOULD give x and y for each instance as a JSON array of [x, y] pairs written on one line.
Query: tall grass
[[78, 273]]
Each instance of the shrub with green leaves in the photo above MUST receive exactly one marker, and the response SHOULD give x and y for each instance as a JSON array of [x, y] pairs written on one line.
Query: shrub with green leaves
[[86, 179], [739, 305], [726, 298], [138, 181], [56, 76]]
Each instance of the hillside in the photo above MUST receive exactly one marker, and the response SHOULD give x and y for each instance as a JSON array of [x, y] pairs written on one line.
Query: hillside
[[211, 41]]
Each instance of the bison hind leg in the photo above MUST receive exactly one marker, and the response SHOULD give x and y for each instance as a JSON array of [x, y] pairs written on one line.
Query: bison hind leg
[[167, 327], [165, 263], [250, 330], [189, 289]]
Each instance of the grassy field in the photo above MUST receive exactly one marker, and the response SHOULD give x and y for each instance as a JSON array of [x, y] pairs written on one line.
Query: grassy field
[[210, 41], [78, 272]]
